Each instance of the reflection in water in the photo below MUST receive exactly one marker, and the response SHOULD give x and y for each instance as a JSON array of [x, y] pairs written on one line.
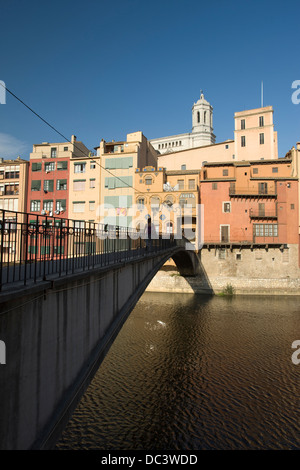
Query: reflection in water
[[192, 372]]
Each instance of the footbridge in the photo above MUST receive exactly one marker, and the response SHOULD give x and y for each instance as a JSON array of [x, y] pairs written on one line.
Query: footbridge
[[65, 293]]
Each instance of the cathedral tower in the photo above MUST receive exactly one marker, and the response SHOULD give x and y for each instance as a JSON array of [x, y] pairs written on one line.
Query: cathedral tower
[[202, 119]]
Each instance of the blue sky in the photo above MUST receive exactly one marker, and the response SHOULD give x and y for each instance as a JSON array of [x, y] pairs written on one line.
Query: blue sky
[[102, 69]]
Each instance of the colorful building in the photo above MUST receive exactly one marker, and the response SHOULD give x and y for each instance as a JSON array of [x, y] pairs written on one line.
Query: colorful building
[[118, 163], [13, 184], [170, 198], [49, 177], [13, 194]]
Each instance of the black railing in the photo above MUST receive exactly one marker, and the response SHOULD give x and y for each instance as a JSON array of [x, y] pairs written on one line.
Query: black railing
[[262, 214], [35, 248]]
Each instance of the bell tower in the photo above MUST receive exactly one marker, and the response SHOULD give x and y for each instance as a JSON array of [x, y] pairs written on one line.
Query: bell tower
[[202, 118]]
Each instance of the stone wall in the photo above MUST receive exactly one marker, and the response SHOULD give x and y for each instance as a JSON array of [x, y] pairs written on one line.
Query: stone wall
[[269, 271]]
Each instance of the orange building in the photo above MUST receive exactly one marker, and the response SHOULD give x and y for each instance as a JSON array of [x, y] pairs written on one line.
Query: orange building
[[250, 203]]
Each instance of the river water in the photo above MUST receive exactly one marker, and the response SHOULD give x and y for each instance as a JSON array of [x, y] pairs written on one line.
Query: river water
[[193, 372]]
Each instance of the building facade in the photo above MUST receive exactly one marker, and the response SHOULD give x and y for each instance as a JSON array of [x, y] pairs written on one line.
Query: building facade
[[170, 199], [49, 177], [13, 184], [118, 163], [254, 139]]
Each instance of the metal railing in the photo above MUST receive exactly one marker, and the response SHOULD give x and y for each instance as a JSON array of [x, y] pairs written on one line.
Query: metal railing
[[263, 214], [34, 248], [252, 192]]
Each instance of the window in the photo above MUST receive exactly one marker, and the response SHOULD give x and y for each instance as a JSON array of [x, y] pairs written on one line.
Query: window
[[61, 185], [261, 121], [222, 253], [78, 206], [214, 186], [48, 205], [79, 185], [227, 146], [61, 205], [263, 188], [225, 172], [180, 184], [198, 116], [292, 206], [93, 165], [35, 206], [191, 184], [148, 180], [243, 124], [255, 171], [141, 203], [238, 256], [92, 205], [36, 185], [53, 152], [275, 170], [66, 149], [79, 167], [92, 183], [183, 167], [261, 139], [49, 166], [243, 141], [204, 116], [266, 230], [62, 165], [224, 233], [48, 185], [226, 207], [36, 166]]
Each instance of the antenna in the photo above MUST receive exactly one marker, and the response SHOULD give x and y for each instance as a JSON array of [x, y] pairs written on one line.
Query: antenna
[[262, 94]]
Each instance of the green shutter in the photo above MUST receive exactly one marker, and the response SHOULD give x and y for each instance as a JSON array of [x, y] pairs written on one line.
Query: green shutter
[[36, 185]]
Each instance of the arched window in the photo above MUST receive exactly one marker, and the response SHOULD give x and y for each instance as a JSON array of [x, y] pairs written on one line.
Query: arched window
[[198, 116], [204, 116]]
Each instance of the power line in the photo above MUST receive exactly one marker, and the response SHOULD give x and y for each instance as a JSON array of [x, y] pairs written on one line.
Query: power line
[[72, 143]]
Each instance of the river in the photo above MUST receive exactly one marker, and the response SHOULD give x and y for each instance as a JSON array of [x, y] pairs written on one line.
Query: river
[[194, 372]]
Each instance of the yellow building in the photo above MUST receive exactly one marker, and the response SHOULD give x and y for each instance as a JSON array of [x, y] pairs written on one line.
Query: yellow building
[[118, 163], [13, 194], [84, 192], [170, 198], [13, 184]]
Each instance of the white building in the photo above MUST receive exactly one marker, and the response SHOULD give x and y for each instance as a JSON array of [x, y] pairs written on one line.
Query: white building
[[202, 131]]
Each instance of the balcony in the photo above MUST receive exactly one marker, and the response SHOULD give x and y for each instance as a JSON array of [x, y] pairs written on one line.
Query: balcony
[[262, 214], [252, 192]]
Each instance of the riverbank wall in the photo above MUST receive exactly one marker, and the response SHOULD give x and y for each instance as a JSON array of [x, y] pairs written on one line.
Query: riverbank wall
[[270, 271]]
